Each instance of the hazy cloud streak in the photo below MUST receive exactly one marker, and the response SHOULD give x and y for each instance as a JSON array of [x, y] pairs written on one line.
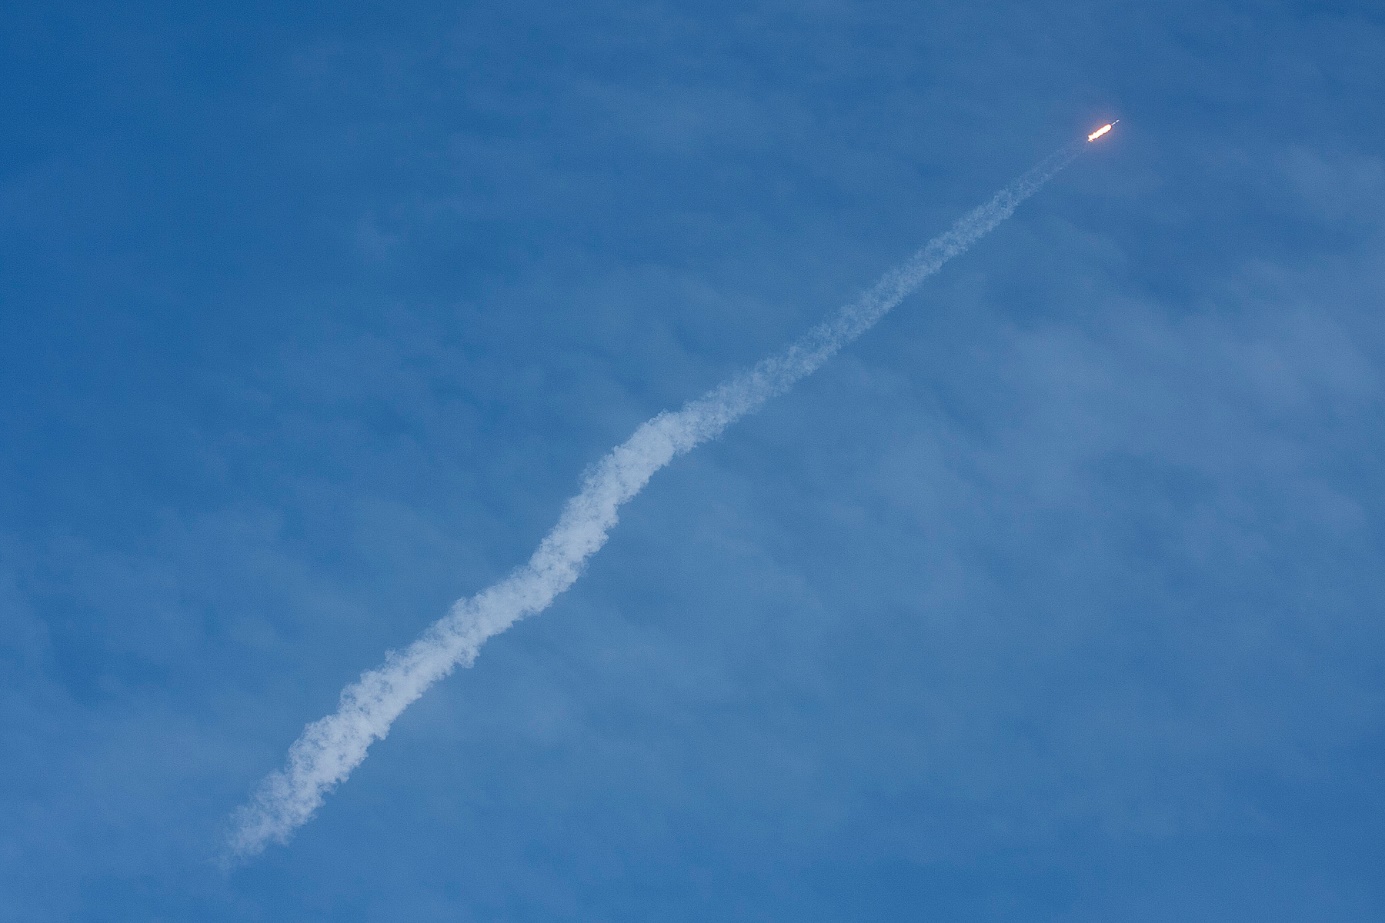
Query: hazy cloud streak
[[327, 751]]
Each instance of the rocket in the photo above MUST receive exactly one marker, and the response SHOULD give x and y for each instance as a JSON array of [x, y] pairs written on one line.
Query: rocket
[[1102, 130]]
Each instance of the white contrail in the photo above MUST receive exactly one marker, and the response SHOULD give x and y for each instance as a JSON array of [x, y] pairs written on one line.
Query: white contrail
[[330, 748]]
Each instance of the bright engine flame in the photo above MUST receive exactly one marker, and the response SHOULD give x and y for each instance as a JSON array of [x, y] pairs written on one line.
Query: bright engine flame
[[1099, 132]]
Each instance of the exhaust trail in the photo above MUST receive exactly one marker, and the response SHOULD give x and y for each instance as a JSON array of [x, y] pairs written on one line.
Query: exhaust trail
[[331, 747]]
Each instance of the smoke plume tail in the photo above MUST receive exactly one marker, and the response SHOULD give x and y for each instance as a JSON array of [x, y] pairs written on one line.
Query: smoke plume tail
[[331, 747]]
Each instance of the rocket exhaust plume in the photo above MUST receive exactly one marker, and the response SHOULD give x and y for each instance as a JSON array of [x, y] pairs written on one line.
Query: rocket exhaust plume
[[331, 747], [1101, 131]]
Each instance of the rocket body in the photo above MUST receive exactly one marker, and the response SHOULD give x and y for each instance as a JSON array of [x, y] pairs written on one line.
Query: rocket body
[[1102, 130]]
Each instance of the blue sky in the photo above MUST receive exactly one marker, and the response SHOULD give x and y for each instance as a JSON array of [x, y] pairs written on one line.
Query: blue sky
[[1057, 597]]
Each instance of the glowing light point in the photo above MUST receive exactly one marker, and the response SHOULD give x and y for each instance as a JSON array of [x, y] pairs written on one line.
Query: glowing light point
[[1102, 130]]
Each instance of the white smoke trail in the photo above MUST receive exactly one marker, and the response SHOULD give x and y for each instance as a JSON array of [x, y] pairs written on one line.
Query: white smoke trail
[[331, 747]]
